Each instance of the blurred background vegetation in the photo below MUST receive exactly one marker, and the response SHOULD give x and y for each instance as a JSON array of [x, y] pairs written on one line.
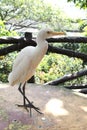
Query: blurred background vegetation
[[17, 17]]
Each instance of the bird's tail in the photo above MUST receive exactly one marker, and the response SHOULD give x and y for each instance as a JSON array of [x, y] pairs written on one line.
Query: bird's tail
[[10, 79]]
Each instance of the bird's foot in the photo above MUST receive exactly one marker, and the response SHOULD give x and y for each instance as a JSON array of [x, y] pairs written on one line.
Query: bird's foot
[[23, 107], [30, 106]]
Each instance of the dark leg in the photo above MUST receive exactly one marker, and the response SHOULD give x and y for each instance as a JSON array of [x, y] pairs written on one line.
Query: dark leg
[[22, 91], [24, 94], [29, 105], [25, 100]]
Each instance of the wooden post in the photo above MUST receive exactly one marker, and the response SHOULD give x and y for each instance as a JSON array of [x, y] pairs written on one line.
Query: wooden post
[[28, 36]]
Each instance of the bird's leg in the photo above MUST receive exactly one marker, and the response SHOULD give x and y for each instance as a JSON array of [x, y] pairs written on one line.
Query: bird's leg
[[25, 98], [29, 105], [24, 94], [24, 101], [22, 91]]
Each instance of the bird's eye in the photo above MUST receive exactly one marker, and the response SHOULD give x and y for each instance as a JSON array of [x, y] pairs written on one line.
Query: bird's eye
[[48, 32]]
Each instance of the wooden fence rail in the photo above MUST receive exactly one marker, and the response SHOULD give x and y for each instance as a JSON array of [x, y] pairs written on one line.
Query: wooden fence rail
[[19, 43]]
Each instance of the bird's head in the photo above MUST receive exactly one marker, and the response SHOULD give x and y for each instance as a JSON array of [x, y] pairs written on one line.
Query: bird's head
[[47, 33]]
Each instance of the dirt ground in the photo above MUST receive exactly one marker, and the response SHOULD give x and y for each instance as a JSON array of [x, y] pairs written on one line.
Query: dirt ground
[[63, 109]]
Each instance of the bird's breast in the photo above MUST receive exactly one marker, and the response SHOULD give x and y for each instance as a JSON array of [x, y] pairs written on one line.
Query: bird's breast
[[38, 55]]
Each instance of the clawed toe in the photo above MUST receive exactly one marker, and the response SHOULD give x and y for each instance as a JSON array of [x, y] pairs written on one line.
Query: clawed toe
[[23, 107], [30, 106]]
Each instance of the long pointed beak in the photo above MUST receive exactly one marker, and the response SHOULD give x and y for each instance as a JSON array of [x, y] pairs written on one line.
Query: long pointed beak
[[58, 33]]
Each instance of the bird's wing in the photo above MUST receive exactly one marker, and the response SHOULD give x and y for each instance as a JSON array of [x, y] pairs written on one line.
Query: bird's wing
[[22, 68], [26, 52], [22, 72]]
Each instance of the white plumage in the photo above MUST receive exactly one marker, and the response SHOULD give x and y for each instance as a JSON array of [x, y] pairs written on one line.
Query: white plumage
[[28, 58]]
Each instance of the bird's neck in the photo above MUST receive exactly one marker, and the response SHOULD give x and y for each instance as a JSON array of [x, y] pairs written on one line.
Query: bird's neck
[[40, 51], [42, 43], [42, 46]]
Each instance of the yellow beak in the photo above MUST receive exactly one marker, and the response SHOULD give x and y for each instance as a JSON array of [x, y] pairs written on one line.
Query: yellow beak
[[58, 33]]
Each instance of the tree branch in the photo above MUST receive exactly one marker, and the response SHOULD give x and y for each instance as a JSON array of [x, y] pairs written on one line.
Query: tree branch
[[68, 77]]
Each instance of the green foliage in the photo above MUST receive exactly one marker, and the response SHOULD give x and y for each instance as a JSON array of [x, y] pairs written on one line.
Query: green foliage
[[82, 24], [23, 9], [70, 46], [85, 30], [10, 9], [55, 66], [5, 66], [83, 48], [5, 61], [16, 125], [80, 3], [36, 11], [4, 31]]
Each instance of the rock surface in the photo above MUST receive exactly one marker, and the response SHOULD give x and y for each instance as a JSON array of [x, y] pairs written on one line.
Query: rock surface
[[62, 108]]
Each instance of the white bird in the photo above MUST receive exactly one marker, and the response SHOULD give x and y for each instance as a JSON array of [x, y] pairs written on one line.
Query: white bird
[[26, 63]]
